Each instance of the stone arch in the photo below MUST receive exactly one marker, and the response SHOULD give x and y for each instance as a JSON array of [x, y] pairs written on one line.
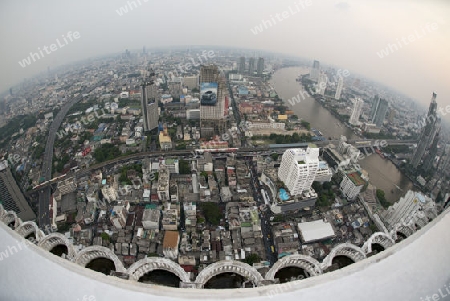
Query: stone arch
[[380, 238], [9, 217], [54, 239], [146, 265], [346, 249], [229, 266], [90, 253], [27, 228], [403, 229], [307, 263]]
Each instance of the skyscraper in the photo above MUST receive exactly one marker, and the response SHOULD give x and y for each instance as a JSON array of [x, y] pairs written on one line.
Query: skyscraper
[[315, 71], [322, 84], [298, 169], [152, 115], [356, 112], [428, 132], [339, 87], [260, 66], [378, 112], [150, 112], [432, 153], [214, 94], [251, 65], [241, 65]]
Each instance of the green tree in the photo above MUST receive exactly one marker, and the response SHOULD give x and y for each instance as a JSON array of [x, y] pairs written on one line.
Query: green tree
[[211, 212], [306, 125], [105, 236], [252, 258], [185, 169], [382, 198]]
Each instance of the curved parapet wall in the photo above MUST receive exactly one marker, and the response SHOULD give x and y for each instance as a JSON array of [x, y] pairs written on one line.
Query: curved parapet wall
[[229, 266], [28, 228], [395, 274], [380, 238], [307, 263], [55, 239], [146, 265], [9, 217], [90, 253], [346, 249]]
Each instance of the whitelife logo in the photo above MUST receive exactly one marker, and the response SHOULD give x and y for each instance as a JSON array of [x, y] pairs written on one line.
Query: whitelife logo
[[279, 17], [124, 9], [49, 49], [404, 41]]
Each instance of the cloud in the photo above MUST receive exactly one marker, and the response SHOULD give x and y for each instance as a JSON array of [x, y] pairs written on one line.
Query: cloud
[[342, 5]]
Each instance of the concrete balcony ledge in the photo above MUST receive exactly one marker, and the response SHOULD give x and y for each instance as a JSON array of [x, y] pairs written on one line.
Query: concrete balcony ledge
[[416, 268]]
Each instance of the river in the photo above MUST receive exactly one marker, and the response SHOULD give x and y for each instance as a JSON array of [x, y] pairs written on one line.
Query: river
[[382, 173]]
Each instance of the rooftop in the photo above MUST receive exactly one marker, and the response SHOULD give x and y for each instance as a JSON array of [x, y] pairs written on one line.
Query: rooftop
[[171, 239], [356, 179]]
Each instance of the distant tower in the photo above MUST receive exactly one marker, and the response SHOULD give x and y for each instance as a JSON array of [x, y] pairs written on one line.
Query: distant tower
[[242, 65], [339, 87], [428, 133], [251, 65], [10, 91], [378, 112], [260, 66], [315, 71], [356, 112]]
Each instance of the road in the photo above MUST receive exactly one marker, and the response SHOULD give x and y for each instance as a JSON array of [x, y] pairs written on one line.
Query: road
[[266, 228], [46, 171]]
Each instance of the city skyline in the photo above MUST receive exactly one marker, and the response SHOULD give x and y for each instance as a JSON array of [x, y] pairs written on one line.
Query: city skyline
[[394, 69]]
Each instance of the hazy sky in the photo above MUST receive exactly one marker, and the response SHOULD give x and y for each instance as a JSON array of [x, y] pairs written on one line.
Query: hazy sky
[[348, 34]]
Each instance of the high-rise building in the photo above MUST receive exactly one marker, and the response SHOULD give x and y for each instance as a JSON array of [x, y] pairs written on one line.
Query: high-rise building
[[241, 65], [340, 86], [191, 82], [412, 209], [391, 115], [260, 66], [298, 169], [315, 71], [150, 110], [427, 135], [444, 162], [251, 65], [322, 84], [356, 112], [10, 195], [378, 112], [430, 157], [214, 97], [152, 115]]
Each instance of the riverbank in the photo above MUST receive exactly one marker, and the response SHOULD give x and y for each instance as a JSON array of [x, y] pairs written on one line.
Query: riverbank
[[382, 173]]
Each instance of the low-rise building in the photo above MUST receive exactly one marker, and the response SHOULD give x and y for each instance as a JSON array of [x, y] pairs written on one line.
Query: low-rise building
[[170, 244]]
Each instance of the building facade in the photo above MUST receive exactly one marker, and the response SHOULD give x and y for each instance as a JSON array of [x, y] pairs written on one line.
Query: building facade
[[298, 169]]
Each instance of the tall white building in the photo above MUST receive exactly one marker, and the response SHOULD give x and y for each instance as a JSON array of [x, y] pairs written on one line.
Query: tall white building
[[322, 84], [356, 112], [298, 169], [411, 210], [339, 87]]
